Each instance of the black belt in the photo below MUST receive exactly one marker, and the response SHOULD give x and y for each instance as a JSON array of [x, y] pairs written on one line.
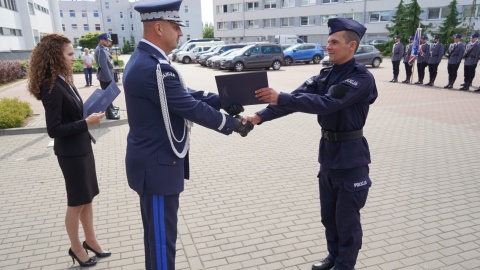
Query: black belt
[[342, 136]]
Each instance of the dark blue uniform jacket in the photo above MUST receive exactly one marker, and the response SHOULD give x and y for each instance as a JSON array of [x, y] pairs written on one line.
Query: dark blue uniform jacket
[[152, 166], [341, 112]]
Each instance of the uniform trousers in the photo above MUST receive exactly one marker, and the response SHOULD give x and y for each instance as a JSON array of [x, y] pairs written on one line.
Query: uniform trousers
[[452, 72], [396, 68], [340, 205], [159, 216], [432, 69], [469, 73], [408, 70], [421, 71], [110, 109]]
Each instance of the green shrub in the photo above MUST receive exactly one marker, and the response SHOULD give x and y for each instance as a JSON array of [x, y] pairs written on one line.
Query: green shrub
[[12, 70], [13, 112], [118, 63]]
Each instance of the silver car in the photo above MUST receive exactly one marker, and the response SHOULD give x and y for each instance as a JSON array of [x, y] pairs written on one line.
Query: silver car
[[365, 54]]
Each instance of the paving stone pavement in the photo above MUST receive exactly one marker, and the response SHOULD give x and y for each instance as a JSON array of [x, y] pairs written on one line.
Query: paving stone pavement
[[252, 203]]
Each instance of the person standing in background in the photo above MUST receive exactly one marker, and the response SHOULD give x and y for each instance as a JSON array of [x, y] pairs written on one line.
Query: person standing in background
[[436, 54], [422, 60], [471, 55], [454, 54], [406, 58], [397, 53], [87, 61]]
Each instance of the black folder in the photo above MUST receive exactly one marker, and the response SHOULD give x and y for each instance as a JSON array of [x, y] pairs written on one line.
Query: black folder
[[240, 88], [100, 99]]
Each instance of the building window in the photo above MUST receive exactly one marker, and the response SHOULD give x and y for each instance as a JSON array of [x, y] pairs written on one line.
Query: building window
[[187, 23], [84, 13], [30, 8], [133, 27], [95, 13], [269, 4], [438, 13], [355, 16], [74, 27], [324, 19], [86, 28], [380, 16], [252, 24], [287, 22], [63, 27], [123, 27], [222, 25], [288, 3], [467, 11], [97, 27], [107, 5], [121, 15], [307, 2], [8, 4], [72, 13], [252, 6], [237, 25], [110, 31], [109, 19], [306, 21], [222, 9], [269, 23], [131, 15], [236, 7], [186, 9], [61, 13], [329, 1]]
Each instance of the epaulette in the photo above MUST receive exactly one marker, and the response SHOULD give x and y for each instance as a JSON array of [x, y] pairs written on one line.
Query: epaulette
[[360, 67], [160, 60]]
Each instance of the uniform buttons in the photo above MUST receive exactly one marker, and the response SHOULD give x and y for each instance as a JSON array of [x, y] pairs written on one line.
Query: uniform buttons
[[174, 162]]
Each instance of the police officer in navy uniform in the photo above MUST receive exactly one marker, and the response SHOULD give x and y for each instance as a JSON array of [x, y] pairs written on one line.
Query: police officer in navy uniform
[[436, 54], [406, 59], [471, 55], [397, 53], [161, 109], [104, 60], [422, 59], [340, 96], [454, 54]]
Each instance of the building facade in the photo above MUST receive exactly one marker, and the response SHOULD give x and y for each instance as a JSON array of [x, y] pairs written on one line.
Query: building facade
[[252, 21], [119, 17], [24, 22]]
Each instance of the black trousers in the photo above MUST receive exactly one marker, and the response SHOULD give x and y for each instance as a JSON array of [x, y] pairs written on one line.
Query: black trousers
[[452, 72], [396, 68], [109, 110], [432, 69], [408, 70], [469, 73], [421, 70]]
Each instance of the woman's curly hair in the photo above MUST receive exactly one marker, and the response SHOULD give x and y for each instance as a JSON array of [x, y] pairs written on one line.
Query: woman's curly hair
[[47, 62]]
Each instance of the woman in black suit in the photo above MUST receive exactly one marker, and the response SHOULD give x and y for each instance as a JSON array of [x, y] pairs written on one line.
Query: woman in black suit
[[51, 80]]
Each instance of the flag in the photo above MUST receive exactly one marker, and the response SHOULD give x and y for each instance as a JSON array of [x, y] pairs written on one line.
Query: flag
[[416, 46]]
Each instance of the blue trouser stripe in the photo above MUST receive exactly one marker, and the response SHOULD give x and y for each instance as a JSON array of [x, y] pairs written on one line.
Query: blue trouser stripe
[[160, 235]]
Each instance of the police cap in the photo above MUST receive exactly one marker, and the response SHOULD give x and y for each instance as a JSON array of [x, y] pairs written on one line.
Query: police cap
[[411, 38], [436, 37], [457, 36], [425, 37], [165, 10], [104, 36], [342, 24], [475, 35], [397, 36]]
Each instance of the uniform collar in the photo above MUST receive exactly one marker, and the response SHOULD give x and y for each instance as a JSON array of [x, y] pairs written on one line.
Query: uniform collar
[[348, 63], [155, 47]]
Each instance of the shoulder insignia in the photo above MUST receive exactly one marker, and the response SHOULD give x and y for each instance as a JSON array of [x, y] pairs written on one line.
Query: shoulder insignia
[[168, 74], [352, 83]]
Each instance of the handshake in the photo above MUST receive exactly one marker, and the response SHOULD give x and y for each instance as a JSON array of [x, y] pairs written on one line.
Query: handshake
[[239, 127]]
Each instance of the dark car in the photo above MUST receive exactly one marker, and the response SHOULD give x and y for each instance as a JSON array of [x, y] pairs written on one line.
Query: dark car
[[202, 60], [263, 55], [306, 52], [365, 54]]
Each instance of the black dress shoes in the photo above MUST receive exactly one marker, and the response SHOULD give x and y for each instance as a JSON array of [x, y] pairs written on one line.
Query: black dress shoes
[[90, 262], [393, 80], [448, 86], [324, 264], [406, 81], [462, 84], [477, 90], [112, 116], [465, 87], [419, 82], [104, 253], [429, 84]]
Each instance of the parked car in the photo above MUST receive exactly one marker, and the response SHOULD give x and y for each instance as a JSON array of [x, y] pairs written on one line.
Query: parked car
[[214, 61], [263, 55], [306, 52], [186, 57], [365, 54], [202, 60], [286, 46], [377, 42]]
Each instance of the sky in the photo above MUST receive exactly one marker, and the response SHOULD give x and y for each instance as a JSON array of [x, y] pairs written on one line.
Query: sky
[[207, 11]]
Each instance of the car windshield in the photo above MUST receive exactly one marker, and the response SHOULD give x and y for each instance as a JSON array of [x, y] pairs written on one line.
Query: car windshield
[[244, 49], [228, 52], [291, 48], [211, 49]]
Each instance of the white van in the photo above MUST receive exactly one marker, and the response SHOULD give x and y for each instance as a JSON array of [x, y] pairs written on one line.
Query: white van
[[192, 43], [288, 39], [186, 57]]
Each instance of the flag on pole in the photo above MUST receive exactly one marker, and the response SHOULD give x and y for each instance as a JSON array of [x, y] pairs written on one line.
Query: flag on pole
[[416, 46]]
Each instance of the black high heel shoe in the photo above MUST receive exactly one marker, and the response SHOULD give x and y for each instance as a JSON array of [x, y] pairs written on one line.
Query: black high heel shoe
[[104, 253], [90, 262]]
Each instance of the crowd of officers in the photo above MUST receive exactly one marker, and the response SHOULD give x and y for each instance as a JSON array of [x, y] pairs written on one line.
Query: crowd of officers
[[430, 55]]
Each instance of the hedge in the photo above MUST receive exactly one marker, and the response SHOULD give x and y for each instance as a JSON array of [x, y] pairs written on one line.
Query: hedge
[[13, 112], [12, 70]]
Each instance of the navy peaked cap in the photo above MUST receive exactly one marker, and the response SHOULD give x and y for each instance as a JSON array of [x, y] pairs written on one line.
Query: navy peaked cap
[[475, 35], [457, 36], [104, 36], [425, 37], [165, 10], [342, 24], [436, 37], [397, 36], [411, 38]]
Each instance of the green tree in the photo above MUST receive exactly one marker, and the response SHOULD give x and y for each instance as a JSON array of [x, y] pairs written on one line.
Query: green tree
[[450, 25], [399, 20], [208, 30], [413, 12], [469, 18], [89, 40]]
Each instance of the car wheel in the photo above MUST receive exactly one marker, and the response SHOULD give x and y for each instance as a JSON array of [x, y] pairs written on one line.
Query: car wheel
[[288, 61], [317, 59], [376, 62], [239, 66], [276, 65], [186, 60]]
